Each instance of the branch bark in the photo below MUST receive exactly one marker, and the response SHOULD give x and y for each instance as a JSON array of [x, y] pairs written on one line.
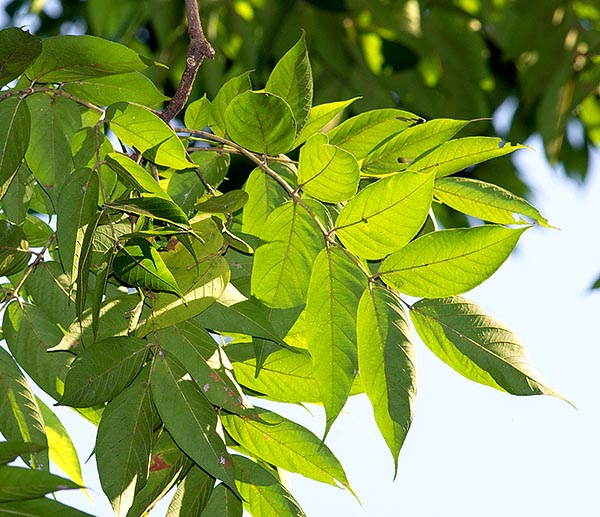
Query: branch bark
[[198, 50]]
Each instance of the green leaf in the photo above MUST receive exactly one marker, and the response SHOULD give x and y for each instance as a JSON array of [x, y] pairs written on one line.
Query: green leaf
[[104, 91], [386, 361], [336, 286], [327, 172], [135, 175], [229, 91], [189, 418], [398, 153], [140, 265], [37, 231], [282, 266], [39, 508], [14, 249], [14, 139], [449, 262], [456, 155], [198, 114], [192, 495], [61, 449], [261, 122], [18, 484], [226, 203], [223, 503], [287, 445], [154, 207], [124, 443], [141, 129], [11, 450], [72, 58], [77, 205], [291, 79], [486, 201], [319, 117], [20, 416], [477, 346], [18, 50], [386, 215], [264, 495], [102, 371], [20, 190], [361, 133]]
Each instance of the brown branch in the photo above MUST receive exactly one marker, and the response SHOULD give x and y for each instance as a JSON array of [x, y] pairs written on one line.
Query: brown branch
[[198, 51]]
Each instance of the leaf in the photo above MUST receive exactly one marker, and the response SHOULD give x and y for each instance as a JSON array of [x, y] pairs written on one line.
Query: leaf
[[154, 207], [223, 503], [77, 206], [72, 58], [282, 266], [287, 445], [39, 508], [20, 416], [14, 138], [319, 117], [11, 450], [261, 122], [229, 91], [386, 215], [104, 91], [361, 133], [192, 495], [477, 346], [18, 484], [456, 155], [449, 262], [140, 265], [14, 249], [124, 443], [264, 495], [19, 50], [102, 371], [486, 201], [398, 153], [198, 114], [135, 175], [327, 172], [291, 79], [61, 449], [189, 418], [141, 129], [386, 361], [336, 286], [226, 203]]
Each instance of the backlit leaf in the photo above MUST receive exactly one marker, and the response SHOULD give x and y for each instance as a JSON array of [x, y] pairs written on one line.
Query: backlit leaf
[[192, 494], [198, 114], [229, 91], [135, 175], [319, 117]]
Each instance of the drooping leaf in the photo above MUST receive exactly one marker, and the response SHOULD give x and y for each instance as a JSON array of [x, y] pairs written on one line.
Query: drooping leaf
[[14, 248], [282, 266], [14, 139], [135, 175], [18, 50], [477, 346], [287, 445], [261, 122], [449, 262], [386, 215], [229, 91], [486, 201], [102, 371], [386, 361], [192, 494], [18, 484], [223, 503], [141, 129], [159, 208], [327, 172], [189, 417], [124, 443], [291, 79], [336, 286]]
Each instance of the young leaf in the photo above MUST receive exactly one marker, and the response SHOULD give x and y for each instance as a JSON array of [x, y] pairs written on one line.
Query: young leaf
[[223, 503], [229, 91], [261, 122], [287, 445], [386, 215], [327, 172], [291, 79], [18, 50], [263, 493], [141, 129], [456, 155], [159, 208], [449, 262], [102, 371], [189, 417], [486, 201], [14, 139], [477, 346], [140, 265], [336, 286], [18, 484], [282, 266], [386, 361], [192, 495], [124, 443]]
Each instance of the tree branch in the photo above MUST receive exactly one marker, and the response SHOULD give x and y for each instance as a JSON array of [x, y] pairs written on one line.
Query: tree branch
[[198, 51]]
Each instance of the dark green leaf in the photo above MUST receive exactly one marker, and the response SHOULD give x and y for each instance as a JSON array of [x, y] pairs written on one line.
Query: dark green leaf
[[42, 507], [18, 49], [226, 203], [15, 128], [11, 450], [192, 494], [14, 249], [155, 207], [18, 484], [223, 503]]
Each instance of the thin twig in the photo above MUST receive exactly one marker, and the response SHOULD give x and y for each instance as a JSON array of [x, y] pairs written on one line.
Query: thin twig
[[198, 51]]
